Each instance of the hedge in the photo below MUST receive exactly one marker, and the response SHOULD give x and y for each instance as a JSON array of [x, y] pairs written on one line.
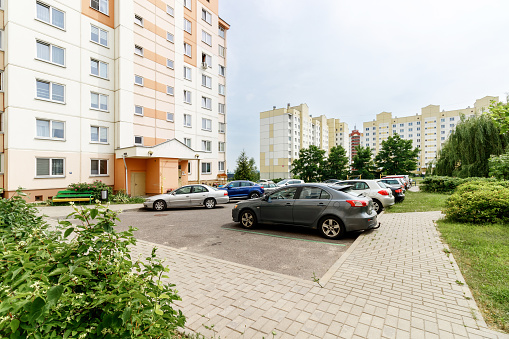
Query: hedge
[[439, 184]]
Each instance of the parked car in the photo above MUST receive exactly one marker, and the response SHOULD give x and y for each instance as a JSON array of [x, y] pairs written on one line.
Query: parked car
[[263, 181], [286, 182], [382, 197], [328, 208], [331, 181], [394, 182], [396, 189], [402, 177], [187, 196], [268, 187], [243, 189]]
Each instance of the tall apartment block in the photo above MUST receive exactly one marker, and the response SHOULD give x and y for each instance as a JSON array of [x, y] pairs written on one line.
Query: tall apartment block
[[338, 134], [428, 130], [130, 92], [284, 131], [355, 141]]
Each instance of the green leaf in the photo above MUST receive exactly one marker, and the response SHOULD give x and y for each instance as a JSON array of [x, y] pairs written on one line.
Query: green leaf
[[151, 294], [93, 213], [36, 309], [59, 270], [68, 231], [14, 324], [82, 271], [63, 278], [54, 294], [15, 273], [164, 296], [126, 315]]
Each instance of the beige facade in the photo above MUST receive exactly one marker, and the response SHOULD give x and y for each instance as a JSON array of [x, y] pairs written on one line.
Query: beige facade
[[338, 134], [428, 130]]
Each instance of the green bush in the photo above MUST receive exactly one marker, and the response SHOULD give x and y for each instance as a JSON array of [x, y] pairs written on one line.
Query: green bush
[[53, 285], [97, 186], [440, 184], [479, 202], [122, 198]]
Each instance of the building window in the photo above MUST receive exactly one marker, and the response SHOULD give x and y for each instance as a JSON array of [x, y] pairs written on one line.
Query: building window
[[187, 26], [418, 122], [98, 134], [169, 116], [169, 10], [99, 101], [170, 90], [187, 97], [189, 167], [187, 73], [442, 132], [206, 38], [170, 37], [222, 70], [138, 140], [50, 15], [98, 167], [451, 119], [99, 68], [187, 4], [205, 168], [451, 125], [187, 142], [138, 80], [221, 89], [410, 129], [222, 108], [138, 20], [410, 124], [206, 145], [138, 110], [50, 129], [206, 59], [222, 128], [221, 31], [206, 16], [187, 50], [99, 36], [138, 50], [221, 51], [100, 5], [50, 53], [220, 166], [206, 124], [51, 91], [187, 120], [169, 63], [206, 103], [49, 167], [442, 120], [221, 146], [206, 81], [401, 125]]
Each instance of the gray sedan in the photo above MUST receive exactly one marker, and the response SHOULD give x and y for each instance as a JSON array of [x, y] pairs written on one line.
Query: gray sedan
[[186, 196], [329, 208]]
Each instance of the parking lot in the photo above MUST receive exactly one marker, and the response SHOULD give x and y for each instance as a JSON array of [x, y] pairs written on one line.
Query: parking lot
[[295, 251]]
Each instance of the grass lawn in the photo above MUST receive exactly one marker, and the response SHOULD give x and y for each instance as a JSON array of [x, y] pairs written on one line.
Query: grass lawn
[[419, 202], [482, 253]]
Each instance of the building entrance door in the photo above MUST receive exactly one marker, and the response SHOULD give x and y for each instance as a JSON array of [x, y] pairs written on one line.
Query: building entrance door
[[137, 184]]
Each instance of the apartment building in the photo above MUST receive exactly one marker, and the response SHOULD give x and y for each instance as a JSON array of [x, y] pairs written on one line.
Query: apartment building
[[285, 131], [355, 141], [338, 134], [130, 92], [428, 130]]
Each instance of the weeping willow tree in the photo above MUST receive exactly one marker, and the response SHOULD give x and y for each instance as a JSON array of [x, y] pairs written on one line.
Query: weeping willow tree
[[468, 148]]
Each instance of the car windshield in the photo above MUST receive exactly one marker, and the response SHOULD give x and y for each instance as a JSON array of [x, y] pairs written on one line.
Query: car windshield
[[392, 182], [283, 182], [381, 184]]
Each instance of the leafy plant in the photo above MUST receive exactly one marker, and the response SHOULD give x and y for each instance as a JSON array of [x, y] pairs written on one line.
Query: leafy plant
[[499, 166], [362, 163], [96, 187], [396, 156], [54, 285], [310, 165], [122, 198]]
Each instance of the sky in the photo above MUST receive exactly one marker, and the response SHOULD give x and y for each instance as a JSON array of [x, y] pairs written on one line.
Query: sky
[[354, 59]]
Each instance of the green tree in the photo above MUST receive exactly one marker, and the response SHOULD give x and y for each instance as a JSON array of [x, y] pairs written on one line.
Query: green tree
[[246, 168], [466, 152], [362, 163], [396, 156], [499, 166], [336, 166], [499, 112], [310, 165]]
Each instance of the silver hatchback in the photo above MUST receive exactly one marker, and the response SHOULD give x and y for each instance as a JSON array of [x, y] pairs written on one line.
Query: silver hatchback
[[328, 208]]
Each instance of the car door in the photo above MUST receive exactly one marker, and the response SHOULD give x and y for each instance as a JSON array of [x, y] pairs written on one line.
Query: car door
[[278, 207], [234, 189], [181, 197], [198, 195], [309, 205], [245, 188]]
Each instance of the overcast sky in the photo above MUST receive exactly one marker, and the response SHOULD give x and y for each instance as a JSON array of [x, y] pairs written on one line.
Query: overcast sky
[[353, 59]]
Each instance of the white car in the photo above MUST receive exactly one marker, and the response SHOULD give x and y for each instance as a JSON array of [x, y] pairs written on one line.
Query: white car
[[382, 197], [187, 196], [286, 182]]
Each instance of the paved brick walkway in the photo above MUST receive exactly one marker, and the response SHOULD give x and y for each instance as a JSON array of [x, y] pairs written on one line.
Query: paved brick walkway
[[394, 282]]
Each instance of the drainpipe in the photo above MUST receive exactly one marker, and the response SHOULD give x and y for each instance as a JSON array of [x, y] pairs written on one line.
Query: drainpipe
[[125, 165]]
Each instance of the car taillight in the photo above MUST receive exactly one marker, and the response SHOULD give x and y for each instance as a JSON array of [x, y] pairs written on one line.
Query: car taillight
[[397, 191], [357, 203], [383, 192], [225, 193]]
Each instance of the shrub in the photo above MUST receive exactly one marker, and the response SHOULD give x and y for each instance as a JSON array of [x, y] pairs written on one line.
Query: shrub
[[54, 286], [97, 186], [439, 184], [122, 198]]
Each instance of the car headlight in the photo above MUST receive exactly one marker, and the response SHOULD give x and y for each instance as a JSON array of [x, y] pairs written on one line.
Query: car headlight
[[148, 200]]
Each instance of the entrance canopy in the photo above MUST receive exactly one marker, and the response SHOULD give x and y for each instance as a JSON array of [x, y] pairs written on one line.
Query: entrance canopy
[[173, 149]]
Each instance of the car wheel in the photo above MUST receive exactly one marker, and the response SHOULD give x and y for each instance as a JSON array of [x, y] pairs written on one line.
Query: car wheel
[[248, 219], [210, 203], [331, 228], [254, 195], [159, 205], [377, 206]]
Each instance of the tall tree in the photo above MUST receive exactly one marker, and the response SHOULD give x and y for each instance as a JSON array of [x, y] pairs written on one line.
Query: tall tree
[[499, 112], [362, 163], [468, 148], [310, 165], [396, 156], [336, 166], [246, 168]]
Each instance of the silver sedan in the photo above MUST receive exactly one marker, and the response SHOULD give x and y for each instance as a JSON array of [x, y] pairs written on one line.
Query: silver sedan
[[186, 196]]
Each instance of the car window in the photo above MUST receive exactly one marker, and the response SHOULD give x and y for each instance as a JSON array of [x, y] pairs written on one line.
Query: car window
[[184, 190], [381, 184], [287, 193], [313, 193], [272, 185], [235, 184], [245, 183], [199, 189]]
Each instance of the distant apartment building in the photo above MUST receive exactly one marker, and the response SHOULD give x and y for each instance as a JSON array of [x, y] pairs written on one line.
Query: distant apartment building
[[428, 130], [130, 92], [355, 141], [284, 131], [338, 134]]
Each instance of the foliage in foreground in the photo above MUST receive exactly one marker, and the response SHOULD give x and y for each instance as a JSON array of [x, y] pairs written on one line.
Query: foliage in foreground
[[55, 286], [443, 184], [96, 187], [499, 166], [483, 257]]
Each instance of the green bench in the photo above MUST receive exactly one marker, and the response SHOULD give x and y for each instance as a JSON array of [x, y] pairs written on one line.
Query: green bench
[[66, 196]]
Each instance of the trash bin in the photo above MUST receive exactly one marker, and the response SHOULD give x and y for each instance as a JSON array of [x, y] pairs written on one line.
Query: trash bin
[[104, 195]]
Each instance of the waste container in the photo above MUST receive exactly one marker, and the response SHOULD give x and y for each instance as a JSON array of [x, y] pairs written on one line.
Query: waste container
[[104, 195]]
